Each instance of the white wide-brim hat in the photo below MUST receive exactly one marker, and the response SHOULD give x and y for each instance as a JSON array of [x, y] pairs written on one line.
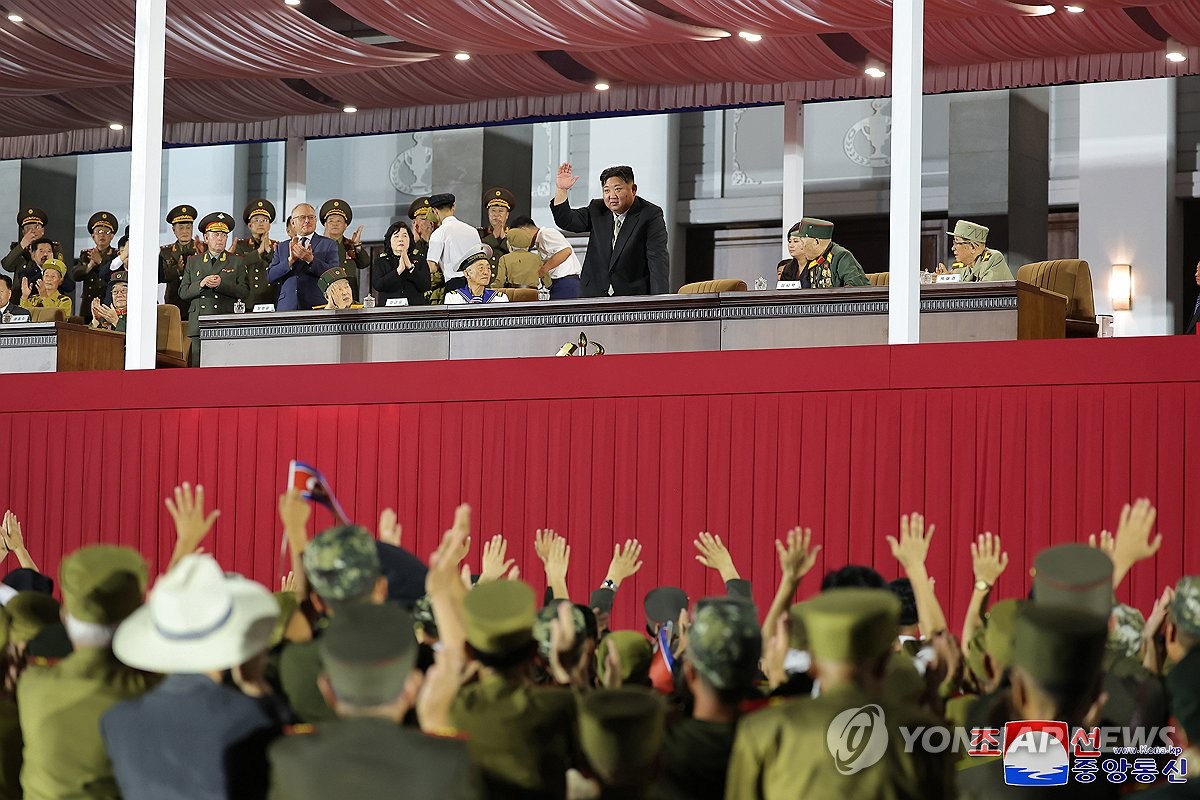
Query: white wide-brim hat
[[197, 619]]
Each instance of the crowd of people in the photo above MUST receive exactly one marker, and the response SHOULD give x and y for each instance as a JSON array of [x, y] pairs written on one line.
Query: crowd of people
[[374, 673]]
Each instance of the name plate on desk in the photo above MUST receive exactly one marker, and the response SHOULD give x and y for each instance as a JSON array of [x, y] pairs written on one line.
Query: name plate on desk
[[788, 285], [953, 277], [396, 301], [263, 307]]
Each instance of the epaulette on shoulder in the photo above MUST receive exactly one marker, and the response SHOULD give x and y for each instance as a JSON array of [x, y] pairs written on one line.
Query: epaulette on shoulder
[[299, 729]]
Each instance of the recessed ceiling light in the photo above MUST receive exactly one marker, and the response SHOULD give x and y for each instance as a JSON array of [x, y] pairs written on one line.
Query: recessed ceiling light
[[1074, 9], [350, 109], [116, 126], [291, 2], [15, 18], [1176, 56], [875, 72], [462, 56], [750, 37], [601, 86]]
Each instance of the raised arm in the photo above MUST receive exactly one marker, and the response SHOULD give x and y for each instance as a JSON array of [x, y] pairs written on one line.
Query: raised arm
[[569, 219], [191, 523], [14, 541], [988, 560], [715, 555], [796, 558], [911, 550]]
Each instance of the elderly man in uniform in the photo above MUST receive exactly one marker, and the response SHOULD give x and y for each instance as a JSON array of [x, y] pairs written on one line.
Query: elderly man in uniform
[[257, 250], [45, 292], [335, 285], [61, 704], [113, 317], [94, 265], [783, 751], [31, 226], [336, 216], [213, 281], [424, 224], [173, 258], [557, 265], [817, 261], [498, 202], [972, 258], [367, 661], [452, 243]]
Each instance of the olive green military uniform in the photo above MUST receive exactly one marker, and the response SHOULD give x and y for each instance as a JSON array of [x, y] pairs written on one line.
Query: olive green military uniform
[[255, 262], [18, 257], [95, 278], [218, 300], [499, 197], [299, 667], [519, 267], [173, 258], [420, 249], [61, 705], [837, 266], [352, 257], [990, 266]]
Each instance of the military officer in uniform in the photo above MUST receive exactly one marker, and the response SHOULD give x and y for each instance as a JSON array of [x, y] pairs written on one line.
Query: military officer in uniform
[[783, 752], [61, 704], [31, 225], [256, 251], [519, 267], [172, 258], [94, 266], [336, 216], [367, 660], [817, 262], [973, 260], [498, 202], [424, 224], [113, 317], [213, 280], [335, 285]]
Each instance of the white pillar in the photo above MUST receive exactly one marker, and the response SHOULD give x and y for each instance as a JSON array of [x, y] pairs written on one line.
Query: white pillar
[[904, 252], [295, 170], [145, 178], [793, 166], [1126, 196]]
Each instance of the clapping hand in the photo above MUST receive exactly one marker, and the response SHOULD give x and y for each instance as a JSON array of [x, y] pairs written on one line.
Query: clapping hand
[[211, 281], [93, 258], [566, 177], [357, 237]]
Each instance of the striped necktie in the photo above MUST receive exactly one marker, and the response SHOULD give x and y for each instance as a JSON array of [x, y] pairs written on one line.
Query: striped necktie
[[616, 230]]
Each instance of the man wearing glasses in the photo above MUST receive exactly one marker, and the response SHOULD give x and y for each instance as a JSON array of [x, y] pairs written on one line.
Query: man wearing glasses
[[300, 262], [972, 258]]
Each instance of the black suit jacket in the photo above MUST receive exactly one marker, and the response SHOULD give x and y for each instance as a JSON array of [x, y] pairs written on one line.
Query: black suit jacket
[[637, 265], [1191, 326]]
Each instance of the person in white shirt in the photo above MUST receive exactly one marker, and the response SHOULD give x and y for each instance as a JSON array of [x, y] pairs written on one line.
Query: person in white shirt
[[452, 243], [559, 261]]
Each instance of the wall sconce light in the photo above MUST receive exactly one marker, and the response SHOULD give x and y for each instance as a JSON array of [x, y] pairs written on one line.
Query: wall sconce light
[[1120, 287]]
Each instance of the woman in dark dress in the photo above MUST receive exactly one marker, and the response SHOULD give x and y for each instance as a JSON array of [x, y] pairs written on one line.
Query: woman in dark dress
[[396, 271]]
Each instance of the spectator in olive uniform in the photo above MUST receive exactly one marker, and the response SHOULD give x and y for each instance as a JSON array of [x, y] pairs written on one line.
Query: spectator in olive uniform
[[424, 224], [31, 226], [115, 316], [256, 252], [61, 704], [38, 254], [817, 262], [173, 258], [973, 260], [621, 734], [45, 293], [213, 281], [94, 265], [336, 216], [335, 285], [498, 203]]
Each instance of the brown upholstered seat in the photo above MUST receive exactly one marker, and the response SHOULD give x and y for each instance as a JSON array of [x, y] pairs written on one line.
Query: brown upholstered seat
[[714, 287], [1070, 277], [171, 333], [523, 295], [47, 315], [879, 278]]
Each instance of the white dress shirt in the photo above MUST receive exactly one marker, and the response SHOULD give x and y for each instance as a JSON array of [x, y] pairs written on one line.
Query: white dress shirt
[[453, 241], [550, 242]]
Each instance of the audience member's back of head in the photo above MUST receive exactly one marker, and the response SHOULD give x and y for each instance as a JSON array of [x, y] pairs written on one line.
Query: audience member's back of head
[[853, 576]]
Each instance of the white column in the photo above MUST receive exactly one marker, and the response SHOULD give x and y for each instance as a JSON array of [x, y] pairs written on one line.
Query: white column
[[904, 252], [1126, 197], [793, 166], [145, 178], [295, 170]]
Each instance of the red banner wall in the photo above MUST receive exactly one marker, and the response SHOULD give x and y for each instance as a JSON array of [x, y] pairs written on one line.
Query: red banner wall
[[1039, 442]]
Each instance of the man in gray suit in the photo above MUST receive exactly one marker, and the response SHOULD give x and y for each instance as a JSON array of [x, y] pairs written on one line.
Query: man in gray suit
[[627, 250]]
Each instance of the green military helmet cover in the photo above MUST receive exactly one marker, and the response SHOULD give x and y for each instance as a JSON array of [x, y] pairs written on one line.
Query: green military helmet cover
[[342, 563], [1058, 646], [500, 616], [29, 614], [181, 214], [368, 652], [971, 231], [336, 208], [331, 276], [520, 238], [30, 214], [1075, 576], [262, 207], [634, 651], [621, 733], [549, 612], [663, 604], [998, 633], [851, 625], [102, 218], [1185, 605], [1125, 633], [725, 642], [813, 227], [102, 583]]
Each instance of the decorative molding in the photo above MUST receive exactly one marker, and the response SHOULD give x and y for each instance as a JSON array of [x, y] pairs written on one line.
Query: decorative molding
[[322, 328], [29, 339]]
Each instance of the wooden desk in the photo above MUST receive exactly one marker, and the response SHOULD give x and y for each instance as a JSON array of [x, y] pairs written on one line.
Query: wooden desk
[[66, 347], [82, 348]]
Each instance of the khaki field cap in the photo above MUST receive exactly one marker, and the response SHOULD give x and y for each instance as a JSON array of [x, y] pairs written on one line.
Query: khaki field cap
[[851, 626], [500, 616], [103, 583], [971, 231], [1075, 576]]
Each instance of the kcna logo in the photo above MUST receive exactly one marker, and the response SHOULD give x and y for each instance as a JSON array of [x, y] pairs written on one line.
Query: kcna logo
[[857, 738]]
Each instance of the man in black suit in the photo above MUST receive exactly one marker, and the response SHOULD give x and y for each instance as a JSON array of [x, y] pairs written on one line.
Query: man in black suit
[[627, 250], [7, 303], [1191, 326]]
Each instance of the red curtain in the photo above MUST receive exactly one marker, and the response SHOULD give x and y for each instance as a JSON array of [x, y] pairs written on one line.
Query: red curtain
[[1039, 442]]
